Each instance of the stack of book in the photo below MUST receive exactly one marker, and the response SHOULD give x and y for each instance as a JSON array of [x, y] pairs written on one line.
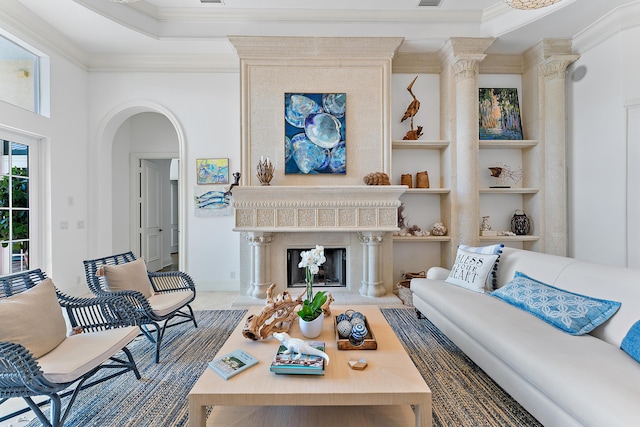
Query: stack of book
[[305, 364]]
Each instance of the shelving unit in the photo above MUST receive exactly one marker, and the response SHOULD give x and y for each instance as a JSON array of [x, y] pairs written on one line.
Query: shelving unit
[[461, 192], [522, 152], [423, 206]]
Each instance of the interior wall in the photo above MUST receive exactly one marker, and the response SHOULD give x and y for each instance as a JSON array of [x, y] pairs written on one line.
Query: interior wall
[[597, 145], [65, 166], [206, 107]]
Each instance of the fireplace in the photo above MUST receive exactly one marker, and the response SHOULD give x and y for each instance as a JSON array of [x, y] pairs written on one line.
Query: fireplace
[[333, 273], [360, 219], [304, 210]]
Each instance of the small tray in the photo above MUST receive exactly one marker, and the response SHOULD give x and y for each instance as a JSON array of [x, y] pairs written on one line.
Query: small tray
[[369, 342]]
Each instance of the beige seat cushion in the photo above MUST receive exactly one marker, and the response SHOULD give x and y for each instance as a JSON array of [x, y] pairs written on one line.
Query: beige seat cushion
[[130, 276], [163, 304], [34, 319], [78, 354]]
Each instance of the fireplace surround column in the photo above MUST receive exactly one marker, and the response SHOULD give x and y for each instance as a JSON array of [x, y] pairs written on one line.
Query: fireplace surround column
[[260, 266], [371, 285]]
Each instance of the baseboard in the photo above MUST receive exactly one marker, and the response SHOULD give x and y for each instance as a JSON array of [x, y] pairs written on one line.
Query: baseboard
[[218, 286]]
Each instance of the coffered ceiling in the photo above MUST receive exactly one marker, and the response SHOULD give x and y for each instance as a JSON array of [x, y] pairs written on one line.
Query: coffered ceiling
[[94, 29]]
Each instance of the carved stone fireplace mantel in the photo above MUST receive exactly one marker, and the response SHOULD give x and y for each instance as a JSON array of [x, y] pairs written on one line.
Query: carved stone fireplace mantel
[[265, 212]]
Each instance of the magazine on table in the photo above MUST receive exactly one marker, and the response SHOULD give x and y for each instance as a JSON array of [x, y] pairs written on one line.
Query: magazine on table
[[232, 363], [290, 363]]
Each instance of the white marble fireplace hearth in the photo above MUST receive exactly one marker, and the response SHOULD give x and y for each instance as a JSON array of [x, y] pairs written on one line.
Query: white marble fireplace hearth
[[359, 218]]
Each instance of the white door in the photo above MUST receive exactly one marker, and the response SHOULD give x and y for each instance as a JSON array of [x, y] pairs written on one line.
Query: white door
[[150, 215], [175, 237]]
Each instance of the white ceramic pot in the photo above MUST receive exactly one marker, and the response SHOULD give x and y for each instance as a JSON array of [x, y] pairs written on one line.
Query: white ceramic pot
[[313, 328]]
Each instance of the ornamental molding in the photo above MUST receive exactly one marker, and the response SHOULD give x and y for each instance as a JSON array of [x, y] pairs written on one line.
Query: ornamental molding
[[556, 66], [465, 68], [302, 209]]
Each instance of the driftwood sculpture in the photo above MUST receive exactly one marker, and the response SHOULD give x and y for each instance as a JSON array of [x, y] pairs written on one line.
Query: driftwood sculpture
[[277, 315], [412, 110]]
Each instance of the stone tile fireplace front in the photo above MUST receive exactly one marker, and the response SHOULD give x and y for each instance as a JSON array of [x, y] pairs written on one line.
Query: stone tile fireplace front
[[360, 219]]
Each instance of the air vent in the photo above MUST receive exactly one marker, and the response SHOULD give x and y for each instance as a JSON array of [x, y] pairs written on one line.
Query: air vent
[[429, 3]]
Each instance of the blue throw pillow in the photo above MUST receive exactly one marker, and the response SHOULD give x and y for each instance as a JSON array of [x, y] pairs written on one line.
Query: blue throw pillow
[[631, 342], [573, 313], [491, 250]]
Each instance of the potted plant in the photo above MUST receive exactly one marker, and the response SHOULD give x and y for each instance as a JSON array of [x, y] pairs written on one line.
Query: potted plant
[[310, 313]]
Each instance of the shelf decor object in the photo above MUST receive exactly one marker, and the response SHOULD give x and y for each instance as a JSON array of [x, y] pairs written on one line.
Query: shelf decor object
[[530, 4], [422, 179], [412, 110], [520, 223], [505, 173], [265, 171]]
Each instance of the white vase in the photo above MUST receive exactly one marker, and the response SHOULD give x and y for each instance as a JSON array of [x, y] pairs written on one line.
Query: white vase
[[313, 328]]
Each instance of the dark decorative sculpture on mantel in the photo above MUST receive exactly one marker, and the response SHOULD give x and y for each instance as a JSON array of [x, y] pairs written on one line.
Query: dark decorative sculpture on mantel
[[236, 181]]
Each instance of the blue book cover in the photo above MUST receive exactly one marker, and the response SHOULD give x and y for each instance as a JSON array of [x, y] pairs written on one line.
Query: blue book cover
[[232, 363]]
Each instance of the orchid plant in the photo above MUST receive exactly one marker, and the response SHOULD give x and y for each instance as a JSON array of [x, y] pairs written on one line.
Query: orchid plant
[[311, 261]]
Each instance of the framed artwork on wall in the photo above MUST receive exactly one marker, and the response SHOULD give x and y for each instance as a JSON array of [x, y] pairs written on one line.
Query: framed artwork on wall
[[212, 171], [315, 133], [499, 114], [211, 201]]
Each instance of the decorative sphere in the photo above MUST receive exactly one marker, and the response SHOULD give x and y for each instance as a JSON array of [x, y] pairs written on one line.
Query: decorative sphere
[[344, 328], [342, 317], [358, 334], [358, 315], [357, 321]]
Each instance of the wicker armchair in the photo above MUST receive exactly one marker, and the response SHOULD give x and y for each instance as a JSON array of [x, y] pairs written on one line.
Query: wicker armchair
[[173, 291], [103, 327]]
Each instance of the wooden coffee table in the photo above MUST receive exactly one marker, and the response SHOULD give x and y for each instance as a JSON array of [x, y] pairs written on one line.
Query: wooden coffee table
[[380, 395]]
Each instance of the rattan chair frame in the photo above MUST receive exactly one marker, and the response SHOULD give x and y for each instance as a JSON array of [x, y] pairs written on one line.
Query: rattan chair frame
[[20, 374], [162, 282]]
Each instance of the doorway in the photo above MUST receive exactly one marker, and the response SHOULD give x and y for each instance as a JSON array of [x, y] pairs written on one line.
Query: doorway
[[154, 211]]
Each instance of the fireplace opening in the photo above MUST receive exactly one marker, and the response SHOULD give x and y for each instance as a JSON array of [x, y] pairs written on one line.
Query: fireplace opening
[[333, 273]]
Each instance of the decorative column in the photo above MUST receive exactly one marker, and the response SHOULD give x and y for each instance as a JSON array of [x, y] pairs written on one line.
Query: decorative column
[[464, 56], [552, 72], [260, 266], [371, 285]]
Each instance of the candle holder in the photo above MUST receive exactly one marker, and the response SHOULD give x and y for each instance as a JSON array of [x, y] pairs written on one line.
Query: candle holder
[[265, 171]]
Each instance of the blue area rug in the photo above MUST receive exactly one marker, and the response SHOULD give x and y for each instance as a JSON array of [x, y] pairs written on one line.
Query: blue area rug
[[463, 395]]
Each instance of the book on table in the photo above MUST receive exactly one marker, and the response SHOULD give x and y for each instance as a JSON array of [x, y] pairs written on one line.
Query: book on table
[[294, 364], [232, 363]]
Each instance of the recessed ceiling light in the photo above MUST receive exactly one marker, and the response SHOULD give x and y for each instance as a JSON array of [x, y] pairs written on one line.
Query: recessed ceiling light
[[429, 3]]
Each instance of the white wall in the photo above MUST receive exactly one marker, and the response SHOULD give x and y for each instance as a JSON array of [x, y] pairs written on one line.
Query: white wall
[[65, 167], [205, 108], [597, 146]]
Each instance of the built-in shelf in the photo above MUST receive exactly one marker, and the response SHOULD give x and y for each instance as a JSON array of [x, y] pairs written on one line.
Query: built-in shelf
[[427, 191], [417, 239], [509, 238], [500, 143], [513, 190], [420, 144]]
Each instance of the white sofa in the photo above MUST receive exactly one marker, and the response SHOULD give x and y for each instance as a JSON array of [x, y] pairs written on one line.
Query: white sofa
[[561, 379]]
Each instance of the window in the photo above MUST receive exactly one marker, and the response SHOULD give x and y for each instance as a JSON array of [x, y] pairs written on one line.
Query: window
[[15, 188]]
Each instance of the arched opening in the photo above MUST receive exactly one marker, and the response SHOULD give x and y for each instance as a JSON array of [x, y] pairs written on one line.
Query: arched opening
[[136, 147]]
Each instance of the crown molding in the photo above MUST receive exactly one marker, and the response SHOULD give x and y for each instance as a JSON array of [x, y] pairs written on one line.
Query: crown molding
[[196, 63], [620, 19], [30, 28]]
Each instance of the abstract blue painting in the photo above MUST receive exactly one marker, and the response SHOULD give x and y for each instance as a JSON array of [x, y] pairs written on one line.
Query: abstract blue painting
[[315, 129]]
